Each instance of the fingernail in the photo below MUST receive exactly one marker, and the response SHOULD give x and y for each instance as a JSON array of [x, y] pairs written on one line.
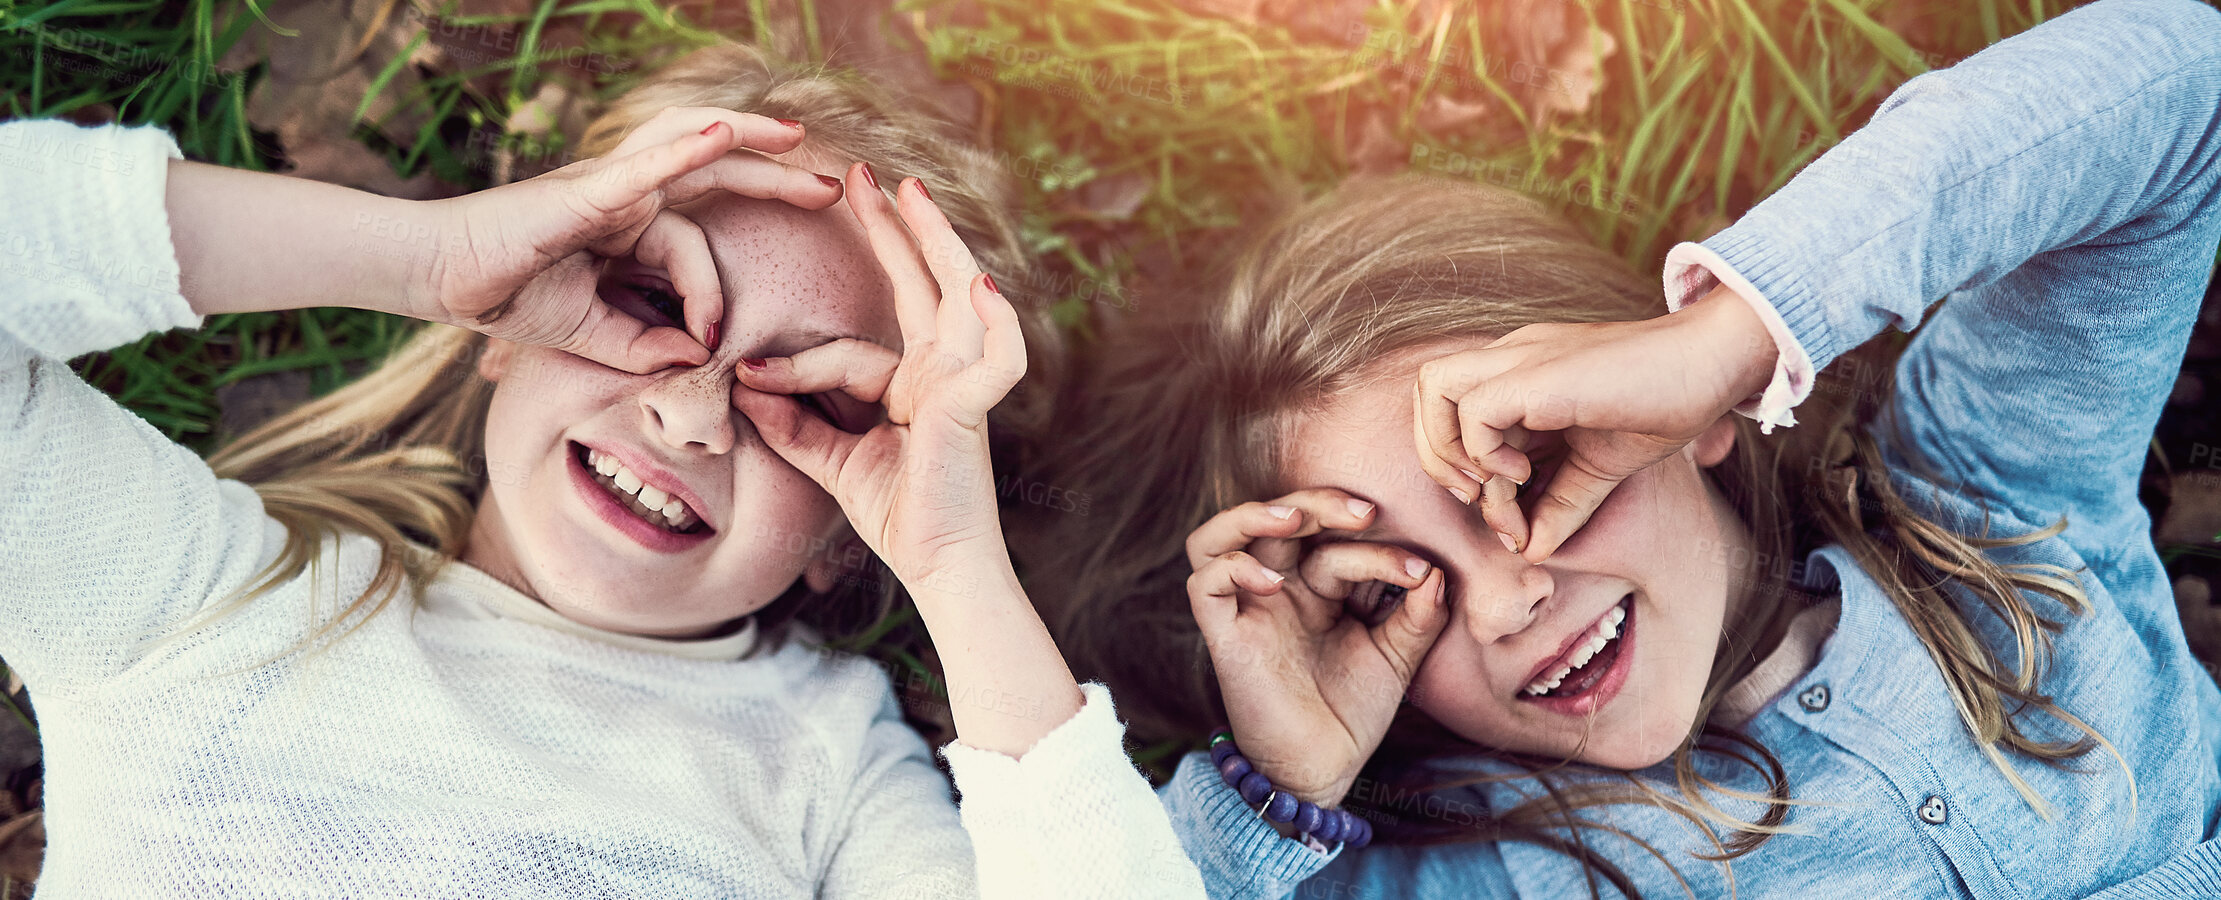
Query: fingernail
[[1476, 478], [790, 123], [713, 126], [1272, 576], [1508, 544], [755, 363], [1281, 512], [990, 282], [922, 192], [1358, 508], [1462, 498], [829, 180], [713, 335], [869, 178], [1415, 567]]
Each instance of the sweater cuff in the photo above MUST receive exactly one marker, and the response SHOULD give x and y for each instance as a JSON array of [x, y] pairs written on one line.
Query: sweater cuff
[[1239, 851], [1073, 806], [89, 245], [1691, 271]]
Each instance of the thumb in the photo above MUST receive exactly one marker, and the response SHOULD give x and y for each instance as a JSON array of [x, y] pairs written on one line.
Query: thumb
[[806, 442], [1409, 632], [1580, 486]]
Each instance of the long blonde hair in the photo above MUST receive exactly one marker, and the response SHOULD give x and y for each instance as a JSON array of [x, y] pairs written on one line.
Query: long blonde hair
[[399, 454], [1185, 415]]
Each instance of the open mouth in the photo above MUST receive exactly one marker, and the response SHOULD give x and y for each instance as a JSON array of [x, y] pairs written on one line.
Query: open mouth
[[645, 501], [1584, 667]]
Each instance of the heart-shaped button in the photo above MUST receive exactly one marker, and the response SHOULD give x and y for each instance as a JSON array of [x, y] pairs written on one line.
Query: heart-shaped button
[[1933, 812], [1814, 698]]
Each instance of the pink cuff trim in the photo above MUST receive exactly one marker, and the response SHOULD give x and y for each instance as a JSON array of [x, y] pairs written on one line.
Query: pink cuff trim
[[1691, 271]]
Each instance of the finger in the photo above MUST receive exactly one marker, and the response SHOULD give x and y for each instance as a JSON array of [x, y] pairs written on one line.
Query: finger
[[961, 331], [602, 190], [806, 442], [1576, 489], [1501, 510], [988, 379], [747, 130], [1336, 570], [1215, 586], [1435, 429], [860, 369], [1489, 450], [622, 342], [676, 245], [1290, 517], [751, 174], [1410, 631], [917, 296]]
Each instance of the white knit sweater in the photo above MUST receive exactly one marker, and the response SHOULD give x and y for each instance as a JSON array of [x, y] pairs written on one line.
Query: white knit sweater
[[478, 745]]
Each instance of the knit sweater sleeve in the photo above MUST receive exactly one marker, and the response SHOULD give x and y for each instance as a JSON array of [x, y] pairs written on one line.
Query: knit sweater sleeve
[[110, 534], [1071, 817]]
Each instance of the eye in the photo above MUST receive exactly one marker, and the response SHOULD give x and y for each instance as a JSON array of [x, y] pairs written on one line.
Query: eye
[[1544, 456], [669, 305]]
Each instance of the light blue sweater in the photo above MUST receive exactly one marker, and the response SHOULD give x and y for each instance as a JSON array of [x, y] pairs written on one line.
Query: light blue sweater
[[2060, 190]]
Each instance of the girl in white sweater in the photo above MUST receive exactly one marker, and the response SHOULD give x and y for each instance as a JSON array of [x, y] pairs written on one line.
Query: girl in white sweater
[[527, 611]]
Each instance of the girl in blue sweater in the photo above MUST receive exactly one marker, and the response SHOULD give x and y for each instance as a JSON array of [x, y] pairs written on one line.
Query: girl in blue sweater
[[1474, 547]]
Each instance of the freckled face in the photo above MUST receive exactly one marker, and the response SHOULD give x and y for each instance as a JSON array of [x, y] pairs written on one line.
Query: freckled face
[[792, 279], [1663, 538]]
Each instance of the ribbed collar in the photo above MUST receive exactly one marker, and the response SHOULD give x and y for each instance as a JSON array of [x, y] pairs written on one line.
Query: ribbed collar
[[465, 591]]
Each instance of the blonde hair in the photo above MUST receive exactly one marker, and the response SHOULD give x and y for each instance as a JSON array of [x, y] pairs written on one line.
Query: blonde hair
[[1186, 416], [399, 454]]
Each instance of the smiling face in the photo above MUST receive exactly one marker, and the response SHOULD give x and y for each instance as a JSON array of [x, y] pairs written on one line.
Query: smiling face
[[549, 526], [1658, 550]]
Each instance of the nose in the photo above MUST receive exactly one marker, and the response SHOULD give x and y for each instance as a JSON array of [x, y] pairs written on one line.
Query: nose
[[691, 409], [1501, 594]]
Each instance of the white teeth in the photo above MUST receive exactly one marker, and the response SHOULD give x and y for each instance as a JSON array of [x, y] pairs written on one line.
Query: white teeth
[[648, 499], [1607, 629]]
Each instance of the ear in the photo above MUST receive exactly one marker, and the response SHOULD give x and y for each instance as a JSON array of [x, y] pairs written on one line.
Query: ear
[[1711, 447], [493, 359], [844, 556]]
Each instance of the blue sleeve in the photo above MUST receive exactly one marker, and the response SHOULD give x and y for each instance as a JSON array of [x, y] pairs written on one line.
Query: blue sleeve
[[1242, 857], [2060, 188]]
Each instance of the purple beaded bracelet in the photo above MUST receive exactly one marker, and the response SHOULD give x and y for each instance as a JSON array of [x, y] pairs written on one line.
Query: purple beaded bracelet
[[1279, 806]]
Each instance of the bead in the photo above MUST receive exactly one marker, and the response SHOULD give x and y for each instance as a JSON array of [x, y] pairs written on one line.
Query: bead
[[1307, 818], [1281, 808], [1347, 826], [1221, 750], [1254, 788], [1232, 769], [1330, 826], [1362, 835]]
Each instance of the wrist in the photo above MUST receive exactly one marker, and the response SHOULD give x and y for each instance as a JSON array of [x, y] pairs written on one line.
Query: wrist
[[1737, 337]]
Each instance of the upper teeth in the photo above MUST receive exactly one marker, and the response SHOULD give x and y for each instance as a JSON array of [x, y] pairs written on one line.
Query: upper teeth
[[1599, 636], [650, 496]]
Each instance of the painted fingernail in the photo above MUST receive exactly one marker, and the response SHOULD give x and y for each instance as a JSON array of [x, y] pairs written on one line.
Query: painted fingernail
[[1508, 543], [1358, 508], [922, 192], [829, 181], [790, 123], [991, 282], [713, 335], [1281, 512], [1272, 576], [1415, 567], [754, 363], [1462, 498], [869, 178], [713, 126]]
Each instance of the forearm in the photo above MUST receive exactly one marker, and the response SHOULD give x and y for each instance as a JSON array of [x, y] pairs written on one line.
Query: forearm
[[252, 241], [1008, 684], [2054, 138]]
